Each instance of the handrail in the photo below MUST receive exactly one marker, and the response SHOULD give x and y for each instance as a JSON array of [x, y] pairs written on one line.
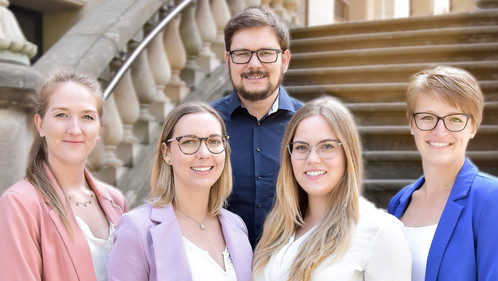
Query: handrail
[[138, 50]]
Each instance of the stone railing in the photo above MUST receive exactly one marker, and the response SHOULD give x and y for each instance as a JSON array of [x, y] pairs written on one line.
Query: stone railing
[[170, 67]]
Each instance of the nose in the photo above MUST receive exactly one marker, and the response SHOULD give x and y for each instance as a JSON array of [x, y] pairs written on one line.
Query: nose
[[440, 129], [313, 156], [74, 126], [203, 151], [254, 61]]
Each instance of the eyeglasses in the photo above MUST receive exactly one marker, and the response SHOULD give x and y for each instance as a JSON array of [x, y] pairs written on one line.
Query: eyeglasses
[[190, 144], [327, 149], [452, 122], [264, 55]]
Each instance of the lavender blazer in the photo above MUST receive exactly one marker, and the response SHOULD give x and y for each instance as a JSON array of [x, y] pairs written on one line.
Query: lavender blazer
[[149, 246]]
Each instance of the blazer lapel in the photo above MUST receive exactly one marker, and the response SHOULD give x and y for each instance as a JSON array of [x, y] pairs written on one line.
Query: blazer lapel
[[235, 239], [76, 244], [111, 210], [406, 197], [170, 256], [449, 219]]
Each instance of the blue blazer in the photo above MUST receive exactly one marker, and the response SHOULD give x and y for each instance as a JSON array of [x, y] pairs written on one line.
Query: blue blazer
[[149, 246], [465, 245]]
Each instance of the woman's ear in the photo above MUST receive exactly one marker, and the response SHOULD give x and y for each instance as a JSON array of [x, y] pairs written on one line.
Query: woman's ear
[[166, 153], [39, 125]]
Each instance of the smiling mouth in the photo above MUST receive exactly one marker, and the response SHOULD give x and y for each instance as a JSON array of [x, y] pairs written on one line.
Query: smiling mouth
[[315, 173], [202, 169], [439, 144]]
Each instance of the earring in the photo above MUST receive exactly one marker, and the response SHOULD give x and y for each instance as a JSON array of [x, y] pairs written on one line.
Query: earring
[[164, 154], [412, 133], [472, 136]]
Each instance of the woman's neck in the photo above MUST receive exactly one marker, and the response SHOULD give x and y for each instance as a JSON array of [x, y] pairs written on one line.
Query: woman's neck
[[69, 177], [440, 178]]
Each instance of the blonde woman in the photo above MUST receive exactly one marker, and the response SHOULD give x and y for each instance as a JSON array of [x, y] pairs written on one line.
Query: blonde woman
[[184, 233], [58, 223], [320, 228]]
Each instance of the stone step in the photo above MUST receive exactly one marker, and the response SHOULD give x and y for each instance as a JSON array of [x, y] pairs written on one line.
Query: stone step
[[371, 92], [407, 164], [481, 17], [392, 138], [381, 191], [423, 37], [394, 113], [437, 54], [386, 73]]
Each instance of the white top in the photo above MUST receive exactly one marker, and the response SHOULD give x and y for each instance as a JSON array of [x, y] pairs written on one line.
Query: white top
[[420, 240], [100, 248], [205, 268], [378, 252]]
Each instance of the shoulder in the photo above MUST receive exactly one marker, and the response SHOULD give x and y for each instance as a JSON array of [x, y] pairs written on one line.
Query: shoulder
[[21, 193], [234, 219], [221, 104], [484, 191], [297, 104], [375, 219], [395, 202]]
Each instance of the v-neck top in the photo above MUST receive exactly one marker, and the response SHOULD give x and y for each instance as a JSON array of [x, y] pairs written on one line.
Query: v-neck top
[[204, 268]]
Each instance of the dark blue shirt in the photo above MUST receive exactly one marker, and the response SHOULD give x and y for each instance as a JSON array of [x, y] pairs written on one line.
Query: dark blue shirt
[[255, 156]]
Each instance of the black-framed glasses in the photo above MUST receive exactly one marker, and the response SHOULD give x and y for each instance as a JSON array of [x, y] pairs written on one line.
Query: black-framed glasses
[[456, 122], [263, 55], [327, 149], [190, 144]]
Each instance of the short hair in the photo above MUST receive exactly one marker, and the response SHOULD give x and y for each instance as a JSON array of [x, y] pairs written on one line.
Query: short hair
[[162, 180], [257, 16], [452, 85]]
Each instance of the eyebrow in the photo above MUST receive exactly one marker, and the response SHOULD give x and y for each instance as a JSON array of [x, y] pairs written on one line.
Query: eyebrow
[[67, 109]]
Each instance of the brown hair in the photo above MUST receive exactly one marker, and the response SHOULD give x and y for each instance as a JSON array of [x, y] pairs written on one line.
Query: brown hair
[[37, 159], [162, 181], [256, 16]]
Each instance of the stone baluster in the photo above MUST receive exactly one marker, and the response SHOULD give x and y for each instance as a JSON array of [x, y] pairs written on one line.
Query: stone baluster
[[236, 6], [207, 29], [192, 73], [291, 16], [129, 110], [278, 7], [146, 91], [111, 136], [18, 82], [161, 72], [221, 14], [176, 89]]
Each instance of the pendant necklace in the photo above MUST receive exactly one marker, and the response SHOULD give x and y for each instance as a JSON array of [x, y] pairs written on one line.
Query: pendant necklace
[[201, 225], [84, 203]]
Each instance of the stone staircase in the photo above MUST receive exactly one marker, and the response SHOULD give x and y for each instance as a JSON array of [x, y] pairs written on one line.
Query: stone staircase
[[368, 65]]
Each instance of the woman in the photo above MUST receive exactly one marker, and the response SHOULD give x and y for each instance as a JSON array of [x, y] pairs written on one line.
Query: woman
[[319, 227], [58, 223], [450, 214], [183, 233]]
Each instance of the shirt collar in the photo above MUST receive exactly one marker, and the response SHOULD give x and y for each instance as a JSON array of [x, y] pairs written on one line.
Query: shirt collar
[[282, 102]]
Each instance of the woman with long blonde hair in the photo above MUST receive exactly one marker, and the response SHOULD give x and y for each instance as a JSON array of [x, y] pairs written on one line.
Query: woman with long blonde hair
[[319, 227]]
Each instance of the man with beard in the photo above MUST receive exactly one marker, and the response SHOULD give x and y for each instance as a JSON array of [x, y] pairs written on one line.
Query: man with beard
[[256, 112]]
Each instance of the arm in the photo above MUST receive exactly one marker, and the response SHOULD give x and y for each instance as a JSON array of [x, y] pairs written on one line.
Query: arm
[[19, 238], [128, 259], [389, 257], [486, 236]]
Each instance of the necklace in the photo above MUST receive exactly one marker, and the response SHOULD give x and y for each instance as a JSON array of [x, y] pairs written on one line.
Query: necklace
[[84, 203], [201, 225]]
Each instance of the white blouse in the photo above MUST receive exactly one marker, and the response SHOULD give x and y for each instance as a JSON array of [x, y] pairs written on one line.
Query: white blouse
[[100, 248], [378, 252], [205, 268], [420, 240]]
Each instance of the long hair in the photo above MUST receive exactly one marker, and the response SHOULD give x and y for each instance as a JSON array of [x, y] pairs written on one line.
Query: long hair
[[38, 158], [162, 180], [332, 236]]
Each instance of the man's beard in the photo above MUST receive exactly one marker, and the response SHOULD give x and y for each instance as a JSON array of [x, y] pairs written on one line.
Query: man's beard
[[256, 95]]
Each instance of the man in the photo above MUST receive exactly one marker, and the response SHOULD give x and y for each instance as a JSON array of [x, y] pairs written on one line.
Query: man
[[256, 112]]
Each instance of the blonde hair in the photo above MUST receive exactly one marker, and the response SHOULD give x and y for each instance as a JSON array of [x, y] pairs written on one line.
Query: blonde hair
[[37, 159], [162, 180], [332, 236], [452, 85]]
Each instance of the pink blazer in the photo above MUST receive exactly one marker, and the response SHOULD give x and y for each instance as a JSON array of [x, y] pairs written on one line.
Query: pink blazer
[[34, 242], [148, 245]]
